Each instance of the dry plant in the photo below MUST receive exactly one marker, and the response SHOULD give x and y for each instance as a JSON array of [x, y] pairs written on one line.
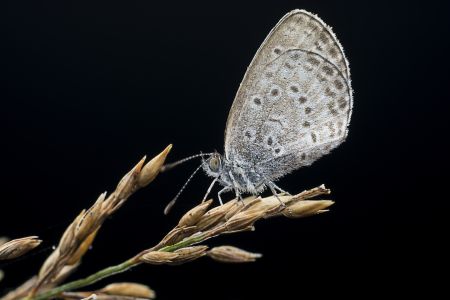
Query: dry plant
[[184, 243]]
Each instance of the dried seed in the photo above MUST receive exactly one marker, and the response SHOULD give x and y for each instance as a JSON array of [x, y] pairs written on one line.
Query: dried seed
[[158, 257], [188, 254], [68, 238], [176, 235], [153, 167], [308, 194], [49, 263], [243, 220], [215, 215], [130, 289], [234, 209], [82, 248], [306, 208], [191, 217], [230, 254], [128, 184], [18, 247]]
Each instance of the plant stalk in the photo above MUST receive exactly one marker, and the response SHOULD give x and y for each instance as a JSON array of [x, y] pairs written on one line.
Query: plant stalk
[[107, 272], [88, 280]]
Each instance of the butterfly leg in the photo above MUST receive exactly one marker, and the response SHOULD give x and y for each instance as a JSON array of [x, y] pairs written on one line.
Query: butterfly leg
[[272, 188], [236, 190], [210, 188], [276, 187], [224, 190]]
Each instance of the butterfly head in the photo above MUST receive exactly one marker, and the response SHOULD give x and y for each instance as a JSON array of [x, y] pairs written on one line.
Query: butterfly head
[[213, 165]]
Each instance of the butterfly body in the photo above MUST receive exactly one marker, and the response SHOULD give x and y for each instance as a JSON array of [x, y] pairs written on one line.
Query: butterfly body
[[243, 178]]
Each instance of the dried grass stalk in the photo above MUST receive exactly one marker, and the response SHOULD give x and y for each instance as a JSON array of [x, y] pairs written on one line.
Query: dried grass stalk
[[81, 232], [84, 296]]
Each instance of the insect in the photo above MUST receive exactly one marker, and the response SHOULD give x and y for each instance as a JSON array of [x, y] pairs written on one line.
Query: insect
[[292, 107]]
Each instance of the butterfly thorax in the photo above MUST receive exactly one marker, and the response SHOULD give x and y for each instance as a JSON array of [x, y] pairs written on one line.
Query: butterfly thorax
[[243, 178]]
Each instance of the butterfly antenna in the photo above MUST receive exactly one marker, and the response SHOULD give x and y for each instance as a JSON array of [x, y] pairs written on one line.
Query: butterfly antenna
[[167, 167], [172, 203]]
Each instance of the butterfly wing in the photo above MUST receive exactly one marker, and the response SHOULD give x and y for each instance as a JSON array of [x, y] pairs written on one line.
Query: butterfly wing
[[294, 103]]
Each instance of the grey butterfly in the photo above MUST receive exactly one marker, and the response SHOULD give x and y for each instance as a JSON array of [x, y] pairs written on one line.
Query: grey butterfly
[[292, 107]]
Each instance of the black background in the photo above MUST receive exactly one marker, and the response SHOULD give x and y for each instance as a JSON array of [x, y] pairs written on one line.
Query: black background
[[87, 89]]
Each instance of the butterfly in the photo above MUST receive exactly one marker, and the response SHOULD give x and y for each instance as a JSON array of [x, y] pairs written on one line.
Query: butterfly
[[293, 106]]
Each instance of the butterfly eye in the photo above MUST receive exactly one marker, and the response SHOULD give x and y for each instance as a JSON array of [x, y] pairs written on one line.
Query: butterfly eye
[[214, 164]]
